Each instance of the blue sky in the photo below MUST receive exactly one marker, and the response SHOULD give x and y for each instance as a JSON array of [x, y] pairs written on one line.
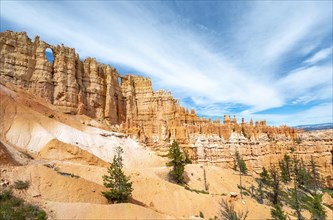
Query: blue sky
[[257, 59]]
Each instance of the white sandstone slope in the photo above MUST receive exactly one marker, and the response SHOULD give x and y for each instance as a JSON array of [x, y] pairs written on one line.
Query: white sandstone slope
[[29, 125]]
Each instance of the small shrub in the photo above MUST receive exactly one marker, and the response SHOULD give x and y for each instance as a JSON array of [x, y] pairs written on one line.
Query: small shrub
[[21, 185], [201, 215], [49, 166], [51, 116], [68, 174], [12, 207], [5, 194], [15, 202], [196, 190], [298, 140], [26, 155], [41, 215]]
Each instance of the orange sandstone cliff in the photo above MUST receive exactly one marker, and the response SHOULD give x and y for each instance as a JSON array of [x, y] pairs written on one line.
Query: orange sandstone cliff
[[129, 104]]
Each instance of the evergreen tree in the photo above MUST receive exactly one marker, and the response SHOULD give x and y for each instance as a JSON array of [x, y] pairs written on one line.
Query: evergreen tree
[[304, 176], [285, 169], [275, 186], [277, 213], [315, 177], [265, 178], [187, 158], [295, 197], [260, 193], [227, 212], [252, 190], [316, 209], [242, 169], [241, 163], [120, 185], [177, 162]]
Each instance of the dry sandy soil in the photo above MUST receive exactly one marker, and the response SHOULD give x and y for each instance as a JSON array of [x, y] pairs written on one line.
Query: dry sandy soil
[[64, 161]]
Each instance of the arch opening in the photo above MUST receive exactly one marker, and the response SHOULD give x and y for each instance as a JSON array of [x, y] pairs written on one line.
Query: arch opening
[[49, 55], [119, 81]]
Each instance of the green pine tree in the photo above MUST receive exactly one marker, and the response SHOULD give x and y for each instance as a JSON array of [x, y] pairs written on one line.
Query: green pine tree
[[260, 193], [240, 163], [304, 176], [317, 209], [277, 213], [227, 212], [295, 196], [119, 185], [187, 158], [265, 178], [315, 177], [285, 167], [177, 162], [275, 195], [242, 169]]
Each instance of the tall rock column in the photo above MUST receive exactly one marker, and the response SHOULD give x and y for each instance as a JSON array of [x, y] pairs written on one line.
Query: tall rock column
[[114, 104], [93, 81], [41, 82], [66, 87]]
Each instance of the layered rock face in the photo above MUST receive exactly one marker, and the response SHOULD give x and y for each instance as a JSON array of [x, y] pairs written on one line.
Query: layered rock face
[[74, 86], [153, 118]]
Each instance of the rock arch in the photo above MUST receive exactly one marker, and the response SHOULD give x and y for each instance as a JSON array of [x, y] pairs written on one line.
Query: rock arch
[[49, 54], [119, 80]]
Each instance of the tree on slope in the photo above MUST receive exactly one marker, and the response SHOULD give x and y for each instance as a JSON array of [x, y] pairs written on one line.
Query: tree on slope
[[296, 196], [177, 162], [240, 164], [119, 185], [315, 177], [260, 193], [277, 213], [317, 209], [275, 195], [227, 212], [264, 175], [304, 176], [285, 166]]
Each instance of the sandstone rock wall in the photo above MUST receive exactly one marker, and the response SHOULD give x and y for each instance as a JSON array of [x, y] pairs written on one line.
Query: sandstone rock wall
[[154, 118], [74, 86]]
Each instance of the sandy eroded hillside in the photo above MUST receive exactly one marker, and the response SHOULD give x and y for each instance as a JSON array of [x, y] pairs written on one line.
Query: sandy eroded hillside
[[64, 160]]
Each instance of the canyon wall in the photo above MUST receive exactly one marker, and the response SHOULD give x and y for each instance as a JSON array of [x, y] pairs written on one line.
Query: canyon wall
[[74, 86], [129, 104]]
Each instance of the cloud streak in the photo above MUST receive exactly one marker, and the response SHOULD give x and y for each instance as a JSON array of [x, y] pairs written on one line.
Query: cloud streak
[[213, 65], [320, 55]]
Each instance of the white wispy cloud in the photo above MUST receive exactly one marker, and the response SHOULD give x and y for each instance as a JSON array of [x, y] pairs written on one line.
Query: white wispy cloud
[[321, 113], [190, 61], [299, 81], [320, 55]]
